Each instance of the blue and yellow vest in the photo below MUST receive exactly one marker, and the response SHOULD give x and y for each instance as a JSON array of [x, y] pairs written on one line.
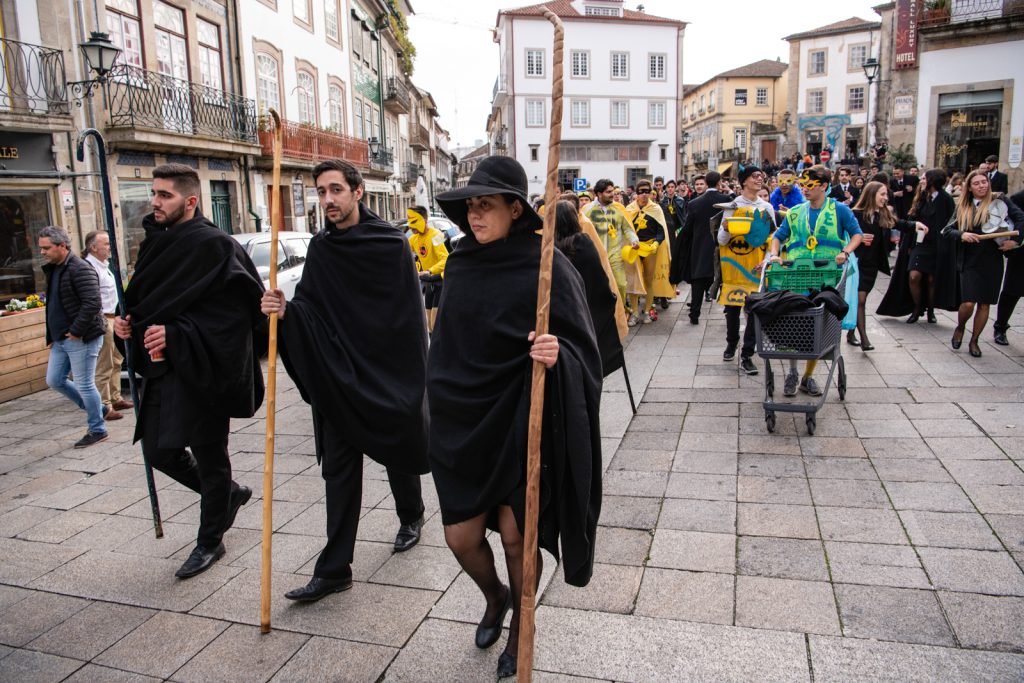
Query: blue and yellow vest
[[821, 243]]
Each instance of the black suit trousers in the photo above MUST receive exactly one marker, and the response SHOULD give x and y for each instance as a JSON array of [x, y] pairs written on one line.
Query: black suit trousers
[[342, 470], [206, 470]]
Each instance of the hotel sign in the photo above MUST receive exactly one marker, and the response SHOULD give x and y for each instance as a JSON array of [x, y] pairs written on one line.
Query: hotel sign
[[905, 56]]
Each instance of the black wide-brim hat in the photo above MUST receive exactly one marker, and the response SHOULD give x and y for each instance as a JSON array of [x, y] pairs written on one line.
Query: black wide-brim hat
[[494, 175]]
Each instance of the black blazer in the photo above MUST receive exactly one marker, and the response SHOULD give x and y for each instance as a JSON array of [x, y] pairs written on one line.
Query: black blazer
[[998, 181], [837, 194]]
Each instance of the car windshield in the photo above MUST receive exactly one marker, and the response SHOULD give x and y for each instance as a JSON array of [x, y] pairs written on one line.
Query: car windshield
[[261, 256]]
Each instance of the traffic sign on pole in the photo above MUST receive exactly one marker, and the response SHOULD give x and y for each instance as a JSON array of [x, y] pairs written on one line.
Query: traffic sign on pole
[[579, 185]]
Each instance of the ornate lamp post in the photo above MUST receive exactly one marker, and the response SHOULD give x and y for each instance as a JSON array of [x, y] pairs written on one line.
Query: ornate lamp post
[[100, 56], [871, 67]]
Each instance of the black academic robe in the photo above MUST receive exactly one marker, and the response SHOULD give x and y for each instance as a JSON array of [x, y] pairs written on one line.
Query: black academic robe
[[1013, 282], [199, 283], [478, 384], [600, 300], [354, 340], [697, 247]]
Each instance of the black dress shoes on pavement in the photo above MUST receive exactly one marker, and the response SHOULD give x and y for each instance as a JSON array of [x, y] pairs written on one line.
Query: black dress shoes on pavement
[[488, 635], [1000, 338], [318, 588], [239, 497], [506, 665], [199, 561], [408, 535]]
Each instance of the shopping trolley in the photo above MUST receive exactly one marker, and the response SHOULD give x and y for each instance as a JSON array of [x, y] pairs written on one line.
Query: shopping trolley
[[810, 334]]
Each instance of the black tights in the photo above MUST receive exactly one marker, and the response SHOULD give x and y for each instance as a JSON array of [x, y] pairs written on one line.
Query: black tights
[[862, 299], [468, 542], [980, 319], [915, 280]]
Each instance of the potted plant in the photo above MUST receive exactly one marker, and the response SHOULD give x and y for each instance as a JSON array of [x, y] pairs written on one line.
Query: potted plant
[[15, 306], [936, 11]]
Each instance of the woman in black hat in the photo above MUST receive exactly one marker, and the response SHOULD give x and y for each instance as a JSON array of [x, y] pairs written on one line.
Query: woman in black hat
[[478, 386]]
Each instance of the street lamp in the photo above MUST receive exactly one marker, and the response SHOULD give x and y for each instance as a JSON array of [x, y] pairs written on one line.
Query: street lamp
[[871, 67], [374, 146], [100, 56]]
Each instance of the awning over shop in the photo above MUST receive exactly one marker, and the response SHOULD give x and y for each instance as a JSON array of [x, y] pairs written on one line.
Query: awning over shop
[[377, 186], [724, 166]]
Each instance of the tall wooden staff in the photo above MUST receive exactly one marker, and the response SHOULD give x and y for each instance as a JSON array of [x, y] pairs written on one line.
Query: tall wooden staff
[[524, 665], [268, 460]]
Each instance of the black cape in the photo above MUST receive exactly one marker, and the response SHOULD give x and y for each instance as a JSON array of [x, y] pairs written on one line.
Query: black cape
[[200, 284], [354, 340], [898, 300], [600, 300], [478, 383], [1013, 282], [697, 249]]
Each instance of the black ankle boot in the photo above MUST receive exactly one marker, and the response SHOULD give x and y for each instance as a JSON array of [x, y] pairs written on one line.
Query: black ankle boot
[[931, 316]]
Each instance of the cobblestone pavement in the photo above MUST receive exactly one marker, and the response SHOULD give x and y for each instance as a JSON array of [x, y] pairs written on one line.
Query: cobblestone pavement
[[887, 546]]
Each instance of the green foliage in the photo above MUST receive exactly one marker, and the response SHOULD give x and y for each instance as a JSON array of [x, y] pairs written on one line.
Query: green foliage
[[400, 28], [902, 155]]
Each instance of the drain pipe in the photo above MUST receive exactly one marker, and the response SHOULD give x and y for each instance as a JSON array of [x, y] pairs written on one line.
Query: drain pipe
[[240, 78]]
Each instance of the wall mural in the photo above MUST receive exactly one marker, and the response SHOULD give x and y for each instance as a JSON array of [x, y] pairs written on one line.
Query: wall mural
[[832, 124]]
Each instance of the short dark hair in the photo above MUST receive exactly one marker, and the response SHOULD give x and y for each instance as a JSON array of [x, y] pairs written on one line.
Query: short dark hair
[[700, 177], [183, 177], [786, 171], [644, 182], [570, 197], [353, 178], [602, 185], [819, 173], [418, 209], [657, 178], [991, 159], [712, 178], [897, 167], [670, 181]]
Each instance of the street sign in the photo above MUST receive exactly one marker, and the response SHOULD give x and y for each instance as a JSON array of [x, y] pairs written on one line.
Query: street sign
[[579, 185], [825, 156]]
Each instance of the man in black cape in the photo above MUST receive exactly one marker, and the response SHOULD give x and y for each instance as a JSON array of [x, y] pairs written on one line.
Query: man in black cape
[[700, 245], [195, 330], [354, 340]]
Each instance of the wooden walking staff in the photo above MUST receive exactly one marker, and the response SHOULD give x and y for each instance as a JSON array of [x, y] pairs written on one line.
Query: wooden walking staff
[[524, 664], [268, 460]]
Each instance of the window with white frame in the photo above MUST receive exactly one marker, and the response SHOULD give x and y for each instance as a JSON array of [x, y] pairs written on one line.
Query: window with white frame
[[620, 66], [620, 114], [331, 20], [739, 138], [306, 92], [336, 107], [816, 101], [762, 97], [855, 98], [300, 10], [580, 63], [268, 79], [534, 63], [357, 111], [124, 28], [740, 97], [580, 113], [656, 67], [655, 114], [817, 62], [858, 55], [702, 103], [597, 11], [210, 61], [535, 113]]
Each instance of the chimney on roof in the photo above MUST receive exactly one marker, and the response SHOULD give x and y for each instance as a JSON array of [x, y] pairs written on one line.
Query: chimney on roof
[[640, 8]]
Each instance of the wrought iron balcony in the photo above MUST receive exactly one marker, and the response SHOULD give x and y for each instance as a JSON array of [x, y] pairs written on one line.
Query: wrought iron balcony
[[32, 79], [410, 173], [396, 96], [500, 88], [384, 161], [964, 11], [146, 99], [301, 141], [420, 136]]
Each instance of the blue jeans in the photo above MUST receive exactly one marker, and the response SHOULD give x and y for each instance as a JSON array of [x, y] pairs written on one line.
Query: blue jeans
[[79, 358]]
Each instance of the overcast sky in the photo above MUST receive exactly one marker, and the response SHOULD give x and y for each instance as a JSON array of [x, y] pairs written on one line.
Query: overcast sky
[[457, 61]]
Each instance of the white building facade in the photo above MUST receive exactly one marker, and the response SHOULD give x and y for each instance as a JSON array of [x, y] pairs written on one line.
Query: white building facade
[[622, 88], [828, 89]]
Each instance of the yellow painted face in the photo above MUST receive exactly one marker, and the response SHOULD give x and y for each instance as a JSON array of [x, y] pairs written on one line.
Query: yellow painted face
[[416, 221]]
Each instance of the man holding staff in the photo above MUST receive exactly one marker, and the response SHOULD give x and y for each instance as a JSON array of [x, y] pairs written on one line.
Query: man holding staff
[[196, 335], [361, 369]]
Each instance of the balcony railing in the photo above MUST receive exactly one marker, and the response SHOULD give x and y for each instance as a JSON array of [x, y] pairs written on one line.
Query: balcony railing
[[32, 79], [384, 161], [500, 86], [962, 11], [420, 136], [732, 154], [301, 141], [411, 173], [147, 99], [396, 95]]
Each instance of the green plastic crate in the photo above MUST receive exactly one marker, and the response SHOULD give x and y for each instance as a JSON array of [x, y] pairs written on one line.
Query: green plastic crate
[[803, 275]]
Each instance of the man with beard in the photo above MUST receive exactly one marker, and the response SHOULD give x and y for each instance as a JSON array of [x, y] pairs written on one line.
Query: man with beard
[[613, 228], [195, 330], [699, 243], [354, 340]]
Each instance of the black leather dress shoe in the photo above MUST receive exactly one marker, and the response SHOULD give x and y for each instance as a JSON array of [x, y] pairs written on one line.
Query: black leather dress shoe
[[506, 665], [318, 588], [488, 635], [199, 561], [1000, 338], [239, 497], [408, 535]]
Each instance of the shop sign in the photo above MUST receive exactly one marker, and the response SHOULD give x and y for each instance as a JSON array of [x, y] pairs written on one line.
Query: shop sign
[[1016, 145], [67, 199], [903, 107], [298, 203], [905, 56], [26, 152]]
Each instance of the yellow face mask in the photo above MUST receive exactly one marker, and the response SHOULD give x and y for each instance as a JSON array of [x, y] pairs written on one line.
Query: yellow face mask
[[416, 221], [808, 183]]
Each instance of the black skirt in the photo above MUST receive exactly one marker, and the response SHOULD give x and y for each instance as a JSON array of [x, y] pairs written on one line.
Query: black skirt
[[923, 258], [868, 275], [982, 273]]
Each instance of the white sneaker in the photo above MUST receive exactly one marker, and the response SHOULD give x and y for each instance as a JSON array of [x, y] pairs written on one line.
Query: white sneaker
[[646, 319], [792, 379], [633, 320]]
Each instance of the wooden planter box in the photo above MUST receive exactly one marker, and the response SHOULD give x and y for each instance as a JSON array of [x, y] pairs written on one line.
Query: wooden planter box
[[23, 353]]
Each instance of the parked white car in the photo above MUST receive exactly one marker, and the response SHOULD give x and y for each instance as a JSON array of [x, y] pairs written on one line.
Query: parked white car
[[291, 255]]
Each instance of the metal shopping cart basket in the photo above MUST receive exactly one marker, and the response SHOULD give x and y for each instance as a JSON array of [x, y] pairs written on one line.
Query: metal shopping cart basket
[[811, 334]]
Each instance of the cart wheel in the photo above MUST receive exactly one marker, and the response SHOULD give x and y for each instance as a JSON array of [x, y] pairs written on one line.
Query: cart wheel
[[769, 420], [664, 304], [841, 385], [812, 422], [769, 379]]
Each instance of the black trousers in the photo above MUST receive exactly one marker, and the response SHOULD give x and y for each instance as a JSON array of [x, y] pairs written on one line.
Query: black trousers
[[698, 288], [342, 470], [206, 470], [732, 331], [1006, 305]]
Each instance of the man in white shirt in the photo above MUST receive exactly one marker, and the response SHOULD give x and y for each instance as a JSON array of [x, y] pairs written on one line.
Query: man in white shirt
[[108, 364]]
